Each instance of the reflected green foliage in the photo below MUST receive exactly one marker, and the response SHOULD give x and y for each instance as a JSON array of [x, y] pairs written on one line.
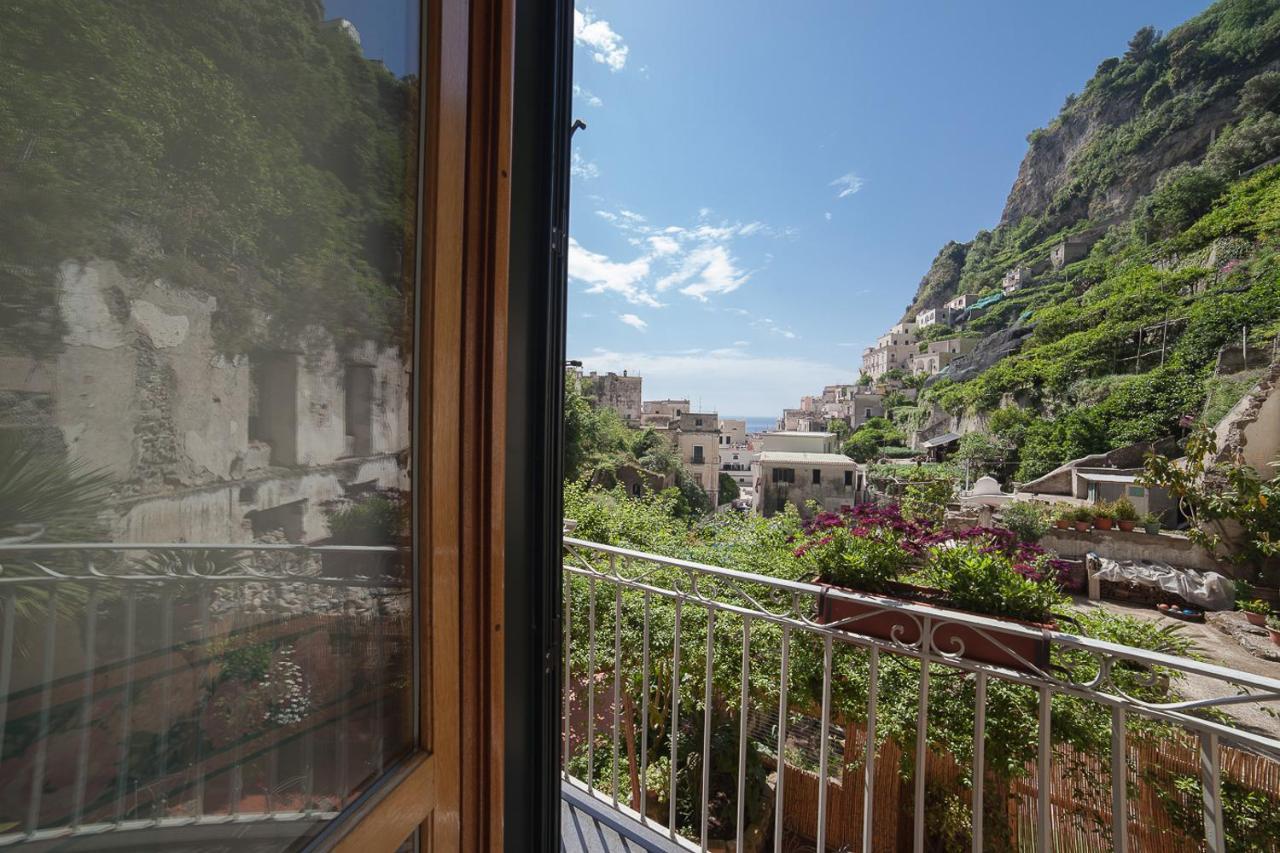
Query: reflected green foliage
[[282, 194]]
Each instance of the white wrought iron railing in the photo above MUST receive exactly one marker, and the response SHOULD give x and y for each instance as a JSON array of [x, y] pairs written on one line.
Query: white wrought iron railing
[[627, 649], [98, 640]]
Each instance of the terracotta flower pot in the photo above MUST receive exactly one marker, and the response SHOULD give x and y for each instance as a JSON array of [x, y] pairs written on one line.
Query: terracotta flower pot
[[1126, 526], [1082, 526], [1259, 619], [1102, 523], [1275, 636], [1062, 523], [1012, 651]]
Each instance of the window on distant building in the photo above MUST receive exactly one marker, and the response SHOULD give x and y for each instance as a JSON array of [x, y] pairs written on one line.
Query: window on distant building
[[273, 404], [817, 476], [784, 475], [697, 455], [848, 478], [358, 408]]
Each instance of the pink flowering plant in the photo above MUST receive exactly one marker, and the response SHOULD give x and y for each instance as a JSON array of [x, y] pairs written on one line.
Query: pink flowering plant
[[872, 548]]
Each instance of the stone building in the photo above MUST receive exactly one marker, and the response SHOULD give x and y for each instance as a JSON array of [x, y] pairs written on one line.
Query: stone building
[[933, 317], [893, 350], [659, 413], [1016, 279], [1071, 249], [797, 477], [961, 302], [205, 445], [940, 354], [611, 391]]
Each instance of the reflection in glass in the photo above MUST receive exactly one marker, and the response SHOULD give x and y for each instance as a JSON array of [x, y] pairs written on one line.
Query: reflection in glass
[[205, 250]]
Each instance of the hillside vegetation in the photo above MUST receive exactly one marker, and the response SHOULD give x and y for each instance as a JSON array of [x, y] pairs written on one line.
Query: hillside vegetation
[[1167, 161]]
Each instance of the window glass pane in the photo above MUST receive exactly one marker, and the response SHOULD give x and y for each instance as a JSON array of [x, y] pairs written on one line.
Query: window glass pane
[[206, 240]]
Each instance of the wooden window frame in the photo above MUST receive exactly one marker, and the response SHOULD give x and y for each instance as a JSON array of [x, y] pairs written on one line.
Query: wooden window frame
[[451, 785]]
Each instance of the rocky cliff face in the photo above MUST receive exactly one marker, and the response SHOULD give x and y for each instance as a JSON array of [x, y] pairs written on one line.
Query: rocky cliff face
[[942, 279], [1158, 106]]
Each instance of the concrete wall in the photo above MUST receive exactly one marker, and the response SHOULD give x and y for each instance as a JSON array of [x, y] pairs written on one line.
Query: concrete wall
[[815, 442], [1163, 547], [1251, 430]]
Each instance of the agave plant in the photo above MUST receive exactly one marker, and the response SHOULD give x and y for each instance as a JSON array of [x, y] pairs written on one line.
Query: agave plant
[[46, 497]]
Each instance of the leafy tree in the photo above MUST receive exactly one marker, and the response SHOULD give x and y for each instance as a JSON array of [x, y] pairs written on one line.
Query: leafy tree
[[729, 491], [1141, 44], [840, 427], [1254, 140], [1184, 194], [981, 454], [862, 446], [1260, 93]]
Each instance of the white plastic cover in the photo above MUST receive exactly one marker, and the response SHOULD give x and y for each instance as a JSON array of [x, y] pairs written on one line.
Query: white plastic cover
[[1208, 590]]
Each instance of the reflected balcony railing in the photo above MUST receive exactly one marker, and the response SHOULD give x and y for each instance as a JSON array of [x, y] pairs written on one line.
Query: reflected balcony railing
[[160, 686], [786, 716]]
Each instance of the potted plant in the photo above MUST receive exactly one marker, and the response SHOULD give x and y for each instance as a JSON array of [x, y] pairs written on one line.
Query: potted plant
[[1151, 523], [970, 576], [1064, 519], [1102, 515], [1273, 627], [1125, 514], [1255, 610], [1083, 517]]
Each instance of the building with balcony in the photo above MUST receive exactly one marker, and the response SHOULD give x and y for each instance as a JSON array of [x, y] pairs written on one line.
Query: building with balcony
[[940, 354], [934, 316], [961, 302], [1015, 279]]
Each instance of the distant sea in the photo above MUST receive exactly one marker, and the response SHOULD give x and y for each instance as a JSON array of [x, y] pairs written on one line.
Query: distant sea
[[755, 423]]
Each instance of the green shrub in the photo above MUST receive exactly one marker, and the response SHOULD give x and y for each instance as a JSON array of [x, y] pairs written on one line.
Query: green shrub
[[982, 582], [1029, 520], [1122, 509], [865, 563], [927, 500]]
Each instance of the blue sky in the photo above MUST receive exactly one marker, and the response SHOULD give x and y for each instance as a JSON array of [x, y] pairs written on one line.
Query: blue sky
[[762, 185]]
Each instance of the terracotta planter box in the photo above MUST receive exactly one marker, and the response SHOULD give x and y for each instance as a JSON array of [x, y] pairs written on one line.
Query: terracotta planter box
[[1102, 523], [1275, 636], [1259, 619], [1126, 526], [1012, 651], [1082, 526]]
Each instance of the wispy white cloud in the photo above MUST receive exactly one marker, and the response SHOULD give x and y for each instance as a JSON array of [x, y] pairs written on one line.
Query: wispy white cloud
[[728, 380], [633, 321], [604, 45], [581, 167], [827, 215], [708, 269], [847, 184], [697, 260], [606, 276], [588, 97], [663, 244], [768, 325]]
